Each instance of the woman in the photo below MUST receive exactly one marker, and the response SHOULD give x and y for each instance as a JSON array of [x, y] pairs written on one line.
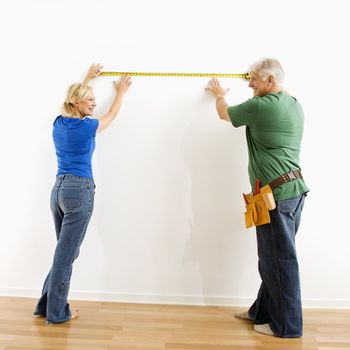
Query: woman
[[72, 197]]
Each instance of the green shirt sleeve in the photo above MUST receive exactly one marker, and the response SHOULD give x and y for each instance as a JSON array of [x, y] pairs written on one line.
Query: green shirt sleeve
[[245, 113]]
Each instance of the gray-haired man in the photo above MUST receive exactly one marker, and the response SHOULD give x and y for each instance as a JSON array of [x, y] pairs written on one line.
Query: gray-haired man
[[274, 127]]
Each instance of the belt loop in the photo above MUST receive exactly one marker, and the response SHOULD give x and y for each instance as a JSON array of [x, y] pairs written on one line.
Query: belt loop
[[298, 173]]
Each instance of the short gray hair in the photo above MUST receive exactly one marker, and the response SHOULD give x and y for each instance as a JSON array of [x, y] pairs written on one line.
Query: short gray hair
[[266, 67]]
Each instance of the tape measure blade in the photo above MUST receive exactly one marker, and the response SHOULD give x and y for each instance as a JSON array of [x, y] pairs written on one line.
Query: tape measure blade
[[199, 75]]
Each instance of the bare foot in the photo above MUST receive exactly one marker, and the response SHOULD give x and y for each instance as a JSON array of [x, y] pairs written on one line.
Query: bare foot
[[242, 315], [75, 314]]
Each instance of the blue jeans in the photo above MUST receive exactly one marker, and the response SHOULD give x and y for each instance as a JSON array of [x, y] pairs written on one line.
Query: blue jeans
[[72, 202], [279, 301]]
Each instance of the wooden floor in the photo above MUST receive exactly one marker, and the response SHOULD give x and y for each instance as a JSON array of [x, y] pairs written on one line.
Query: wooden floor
[[117, 326]]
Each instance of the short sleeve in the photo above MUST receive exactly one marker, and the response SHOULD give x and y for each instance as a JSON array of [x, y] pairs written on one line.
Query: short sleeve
[[245, 113], [91, 126]]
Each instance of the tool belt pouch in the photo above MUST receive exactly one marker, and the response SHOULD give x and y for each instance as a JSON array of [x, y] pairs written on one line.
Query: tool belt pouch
[[258, 206]]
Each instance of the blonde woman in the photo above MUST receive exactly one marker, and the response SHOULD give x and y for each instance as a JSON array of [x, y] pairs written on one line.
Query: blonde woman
[[72, 197]]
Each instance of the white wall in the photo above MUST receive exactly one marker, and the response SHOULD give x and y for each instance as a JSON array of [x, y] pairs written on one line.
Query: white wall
[[168, 221]]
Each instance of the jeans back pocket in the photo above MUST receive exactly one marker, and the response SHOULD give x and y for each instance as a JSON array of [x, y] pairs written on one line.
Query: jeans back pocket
[[72, 196]]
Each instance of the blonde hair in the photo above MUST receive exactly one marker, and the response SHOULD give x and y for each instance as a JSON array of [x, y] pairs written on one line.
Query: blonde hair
[[75, 93], [266, 67]]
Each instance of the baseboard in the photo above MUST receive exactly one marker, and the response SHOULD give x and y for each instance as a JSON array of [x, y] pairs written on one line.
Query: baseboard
[[173, 299]]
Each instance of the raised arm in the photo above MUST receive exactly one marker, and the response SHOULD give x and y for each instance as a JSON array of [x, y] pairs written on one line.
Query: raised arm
[[221, 106], [121, 88]]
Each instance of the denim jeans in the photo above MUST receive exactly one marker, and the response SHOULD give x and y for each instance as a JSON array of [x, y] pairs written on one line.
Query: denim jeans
[[279, 301], [72, 201]]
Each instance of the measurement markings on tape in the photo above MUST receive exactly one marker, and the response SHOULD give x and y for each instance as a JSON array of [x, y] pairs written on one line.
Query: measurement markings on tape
[[197, 75]]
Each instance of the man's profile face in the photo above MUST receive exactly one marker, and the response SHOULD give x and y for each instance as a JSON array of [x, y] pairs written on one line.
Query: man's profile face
[[260, 87]]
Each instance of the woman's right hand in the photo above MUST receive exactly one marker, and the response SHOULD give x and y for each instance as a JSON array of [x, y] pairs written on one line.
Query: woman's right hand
[[94, 71], [122, 85]]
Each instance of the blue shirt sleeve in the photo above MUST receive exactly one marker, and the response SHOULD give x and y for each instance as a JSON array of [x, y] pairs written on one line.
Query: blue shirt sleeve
[[245, 113], [91, 126]]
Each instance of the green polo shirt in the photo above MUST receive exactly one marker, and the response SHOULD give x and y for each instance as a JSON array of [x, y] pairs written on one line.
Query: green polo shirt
[[274, 129]]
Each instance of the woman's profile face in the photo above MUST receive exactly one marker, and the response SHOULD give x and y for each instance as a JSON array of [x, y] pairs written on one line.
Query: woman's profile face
[[87, 105]]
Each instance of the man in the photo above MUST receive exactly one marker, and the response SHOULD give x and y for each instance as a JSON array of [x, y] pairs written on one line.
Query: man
[[274, 128]]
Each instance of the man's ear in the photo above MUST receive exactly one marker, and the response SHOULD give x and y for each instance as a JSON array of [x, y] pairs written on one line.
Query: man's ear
[[271, 80]]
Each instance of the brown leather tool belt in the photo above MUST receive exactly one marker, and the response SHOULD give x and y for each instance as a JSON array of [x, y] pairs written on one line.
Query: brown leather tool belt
[[293, 175]]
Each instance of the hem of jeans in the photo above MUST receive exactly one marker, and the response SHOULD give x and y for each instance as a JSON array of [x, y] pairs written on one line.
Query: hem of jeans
[[284, 335], [250, 317], [38, 314], [288, 336], [58, 322]]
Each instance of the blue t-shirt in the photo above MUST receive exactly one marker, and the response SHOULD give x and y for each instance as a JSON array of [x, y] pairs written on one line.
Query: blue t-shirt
[[75, 143]]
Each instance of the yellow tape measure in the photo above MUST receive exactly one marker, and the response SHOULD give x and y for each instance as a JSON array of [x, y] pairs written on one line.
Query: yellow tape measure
[[200, 75]]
